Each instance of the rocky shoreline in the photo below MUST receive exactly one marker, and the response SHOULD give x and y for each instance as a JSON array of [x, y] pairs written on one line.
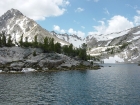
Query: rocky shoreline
[[17, 59]]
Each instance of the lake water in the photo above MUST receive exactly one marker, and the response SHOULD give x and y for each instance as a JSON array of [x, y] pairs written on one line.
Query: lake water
[[115, 85]]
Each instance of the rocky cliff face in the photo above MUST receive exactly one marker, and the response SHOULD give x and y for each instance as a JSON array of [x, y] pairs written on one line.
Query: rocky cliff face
[[13, 22]]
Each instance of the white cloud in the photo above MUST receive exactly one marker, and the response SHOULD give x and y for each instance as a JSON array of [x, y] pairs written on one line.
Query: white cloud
[[62, 31], [79, 9], [57, 28], [67, 2], [71, 31], [118, 23], [115, 24], [106, 11], [36, 9], [78, 33]]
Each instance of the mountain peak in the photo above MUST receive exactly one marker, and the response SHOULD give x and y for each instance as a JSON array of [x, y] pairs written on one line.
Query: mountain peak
[[15, 12], [11, 13]]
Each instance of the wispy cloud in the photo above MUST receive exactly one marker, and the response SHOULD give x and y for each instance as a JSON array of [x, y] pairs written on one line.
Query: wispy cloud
[[94, 19], [83, 27], [138, 12], [96, 0], [134, 7], [106, 11], [76, 22], [137, 18], [79, 9]]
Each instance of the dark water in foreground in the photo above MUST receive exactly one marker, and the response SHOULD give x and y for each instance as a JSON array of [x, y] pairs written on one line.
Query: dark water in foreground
[[116, 85]]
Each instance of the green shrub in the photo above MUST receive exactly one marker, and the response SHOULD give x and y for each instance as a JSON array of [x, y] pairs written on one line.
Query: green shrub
[[34, 53]]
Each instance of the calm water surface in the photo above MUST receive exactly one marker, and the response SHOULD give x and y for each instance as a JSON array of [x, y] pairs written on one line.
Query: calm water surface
[[115, 85]]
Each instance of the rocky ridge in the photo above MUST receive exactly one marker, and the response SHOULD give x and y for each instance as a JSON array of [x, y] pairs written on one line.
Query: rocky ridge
[[13, 22]]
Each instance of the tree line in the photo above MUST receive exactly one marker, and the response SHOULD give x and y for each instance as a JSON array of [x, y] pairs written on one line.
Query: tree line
[[5, 42], [48, 45]]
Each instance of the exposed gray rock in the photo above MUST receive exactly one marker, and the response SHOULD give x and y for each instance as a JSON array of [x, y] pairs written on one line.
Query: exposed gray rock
[[45, 69], [16, 66], [16, 58], [86, 63]]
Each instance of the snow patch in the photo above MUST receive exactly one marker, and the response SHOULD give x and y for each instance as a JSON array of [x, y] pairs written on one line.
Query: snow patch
[[114, 59], [108, 43], [137, 32], [136, 37], [75, 40], [109, 36], [28, 70], [98, 54], [125, 53]]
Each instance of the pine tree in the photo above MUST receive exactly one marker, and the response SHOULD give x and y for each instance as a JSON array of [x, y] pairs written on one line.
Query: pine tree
[[65, 49], [3, 39], [35, 43], [84, 46], [51, 45], [45, 44], [70, 49], [34, 53], [0, 42], [9, 43], [21, 41], [26, 43], [57, 47], [82, 54]]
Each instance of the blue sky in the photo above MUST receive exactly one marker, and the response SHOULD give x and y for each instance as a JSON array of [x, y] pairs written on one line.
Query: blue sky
[[91, 13], [81, 17]]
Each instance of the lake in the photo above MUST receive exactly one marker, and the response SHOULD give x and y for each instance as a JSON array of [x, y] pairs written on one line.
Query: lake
[[115, 85]]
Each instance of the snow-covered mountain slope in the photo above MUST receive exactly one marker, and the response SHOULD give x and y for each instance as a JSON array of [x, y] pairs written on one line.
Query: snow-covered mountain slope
[[110, 36], [13, 22], [119, 38], [125, 48], [74, 39]]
